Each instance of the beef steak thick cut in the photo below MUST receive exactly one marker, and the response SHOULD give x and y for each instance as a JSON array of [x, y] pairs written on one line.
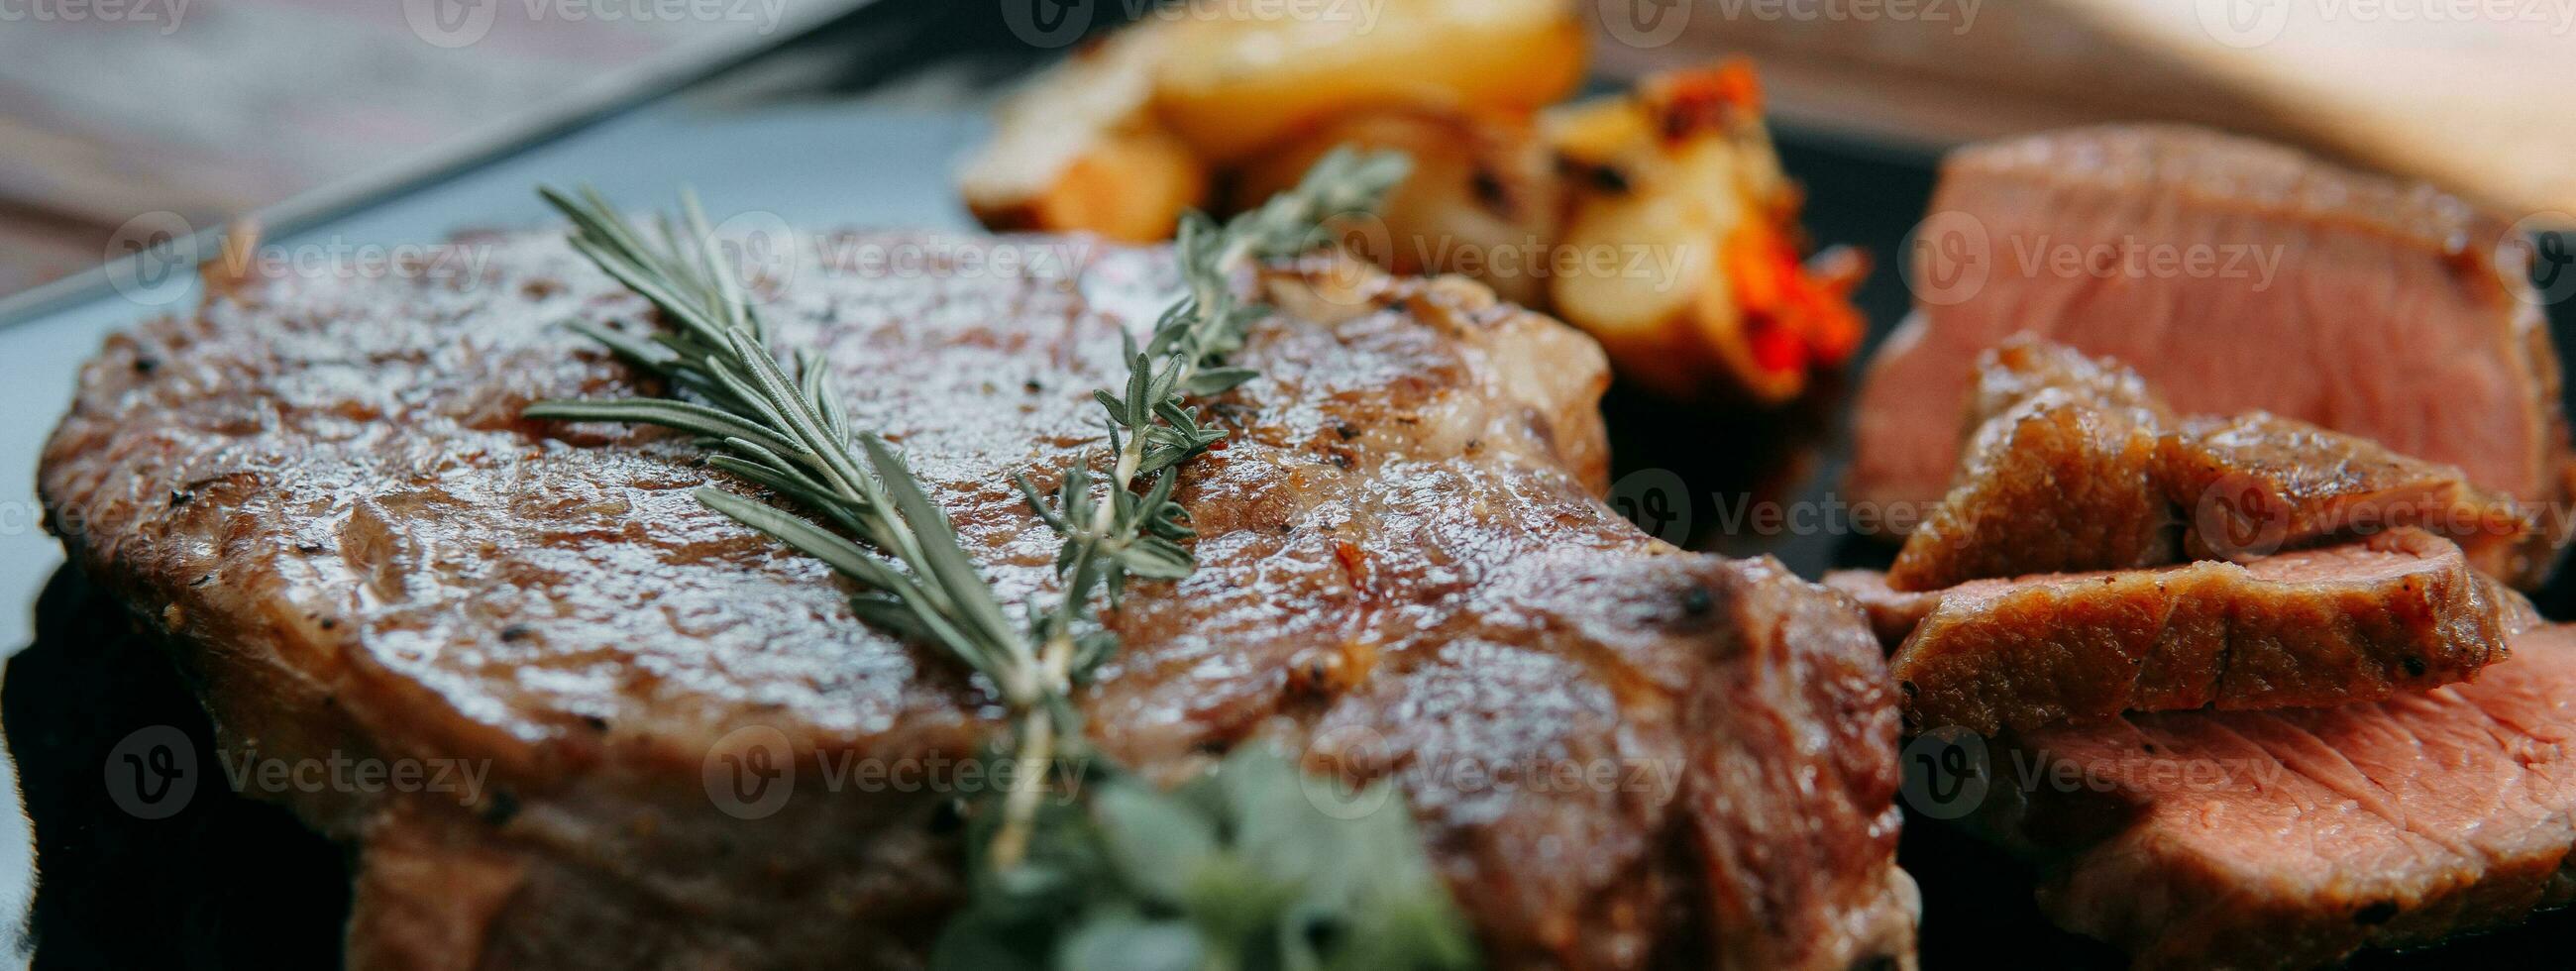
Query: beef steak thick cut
[[2398, 611], [322, 492], [2073, 463], [2363, 304], [2292, 838]]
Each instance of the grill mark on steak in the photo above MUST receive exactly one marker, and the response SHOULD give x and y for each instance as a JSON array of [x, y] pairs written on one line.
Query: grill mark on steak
[[2425, 348], [2073, 464], [553, 579], [2399, 611]]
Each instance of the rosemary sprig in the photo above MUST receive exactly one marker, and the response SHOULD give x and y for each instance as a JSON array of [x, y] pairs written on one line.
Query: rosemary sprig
[[1152, 431], [781, 424], [1236, 871]]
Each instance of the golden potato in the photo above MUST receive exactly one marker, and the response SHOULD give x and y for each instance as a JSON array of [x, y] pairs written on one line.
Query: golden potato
[[1076, 149], [1681, 244], [1481, 200], [1240, 77]]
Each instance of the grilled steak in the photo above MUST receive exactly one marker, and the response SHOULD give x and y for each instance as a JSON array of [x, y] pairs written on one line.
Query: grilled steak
[[2292, 838], [2400, 611], [2380, 316], [2055, 482], [321, 490], [2074, 465], [2257, 482], [1892, 613]]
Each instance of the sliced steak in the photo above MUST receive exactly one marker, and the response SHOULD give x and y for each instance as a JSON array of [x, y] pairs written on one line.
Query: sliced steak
[[2400, 611], [322, 492], [2075, 465], [2025, 365], [2055, 484], [2290, 839], [2259, 482], [2382, 314]]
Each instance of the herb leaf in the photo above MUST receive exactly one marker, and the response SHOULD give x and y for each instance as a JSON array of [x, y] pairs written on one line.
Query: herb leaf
[[1243, 862]]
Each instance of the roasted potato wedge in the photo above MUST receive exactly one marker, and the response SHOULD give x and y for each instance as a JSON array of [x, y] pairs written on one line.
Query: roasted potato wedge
[[1681, 245], [1078, 149], [1240, 78], [1481, 201]]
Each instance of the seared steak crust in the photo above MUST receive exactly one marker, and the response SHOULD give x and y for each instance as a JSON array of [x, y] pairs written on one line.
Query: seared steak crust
[[2055, 484], [323, 492], [2400, 611], [2258, 482], [2382, 314], [2073, 464], [2291, 839]]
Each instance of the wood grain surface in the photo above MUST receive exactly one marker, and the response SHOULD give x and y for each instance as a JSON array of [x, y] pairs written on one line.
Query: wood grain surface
[[2467, 93], [110, 109]]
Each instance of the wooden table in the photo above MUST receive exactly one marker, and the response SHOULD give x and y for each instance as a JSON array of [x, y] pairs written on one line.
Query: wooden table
[[214, 108]]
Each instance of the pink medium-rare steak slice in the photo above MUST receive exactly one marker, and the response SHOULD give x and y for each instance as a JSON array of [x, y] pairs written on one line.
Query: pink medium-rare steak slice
[[2292, 838], [2074, 464], [2383, 317], [321, 491], [2399, 611]]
